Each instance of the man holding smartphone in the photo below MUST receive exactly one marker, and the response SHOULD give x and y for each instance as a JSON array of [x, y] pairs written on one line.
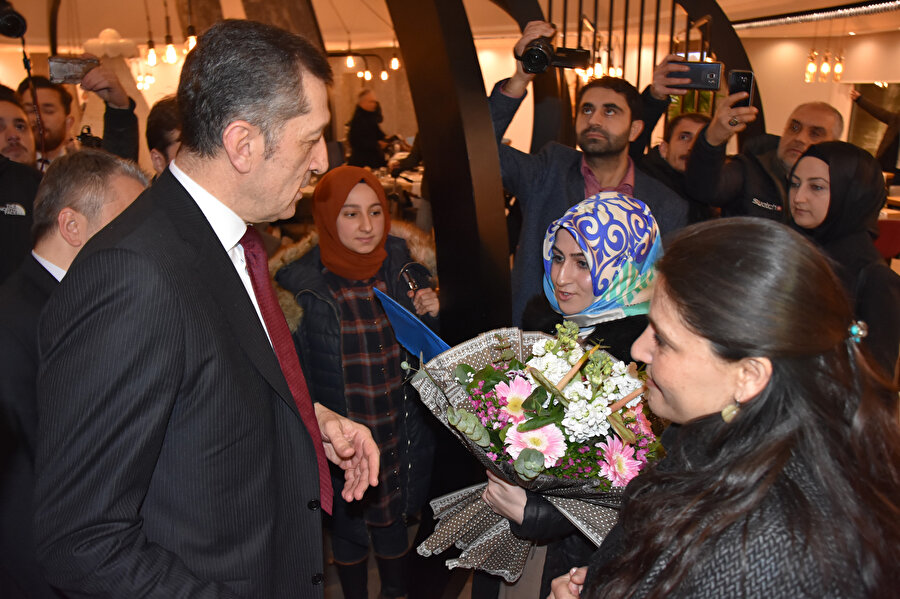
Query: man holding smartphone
[[610, 118], [120, 126], [754, 182]]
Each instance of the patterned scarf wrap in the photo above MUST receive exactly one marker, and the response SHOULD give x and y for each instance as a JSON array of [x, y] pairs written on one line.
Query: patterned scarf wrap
[[621, 243]]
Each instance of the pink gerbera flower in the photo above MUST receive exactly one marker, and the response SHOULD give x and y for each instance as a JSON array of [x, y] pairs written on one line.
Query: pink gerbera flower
[[548, 440], [515, 393], [618, 464]]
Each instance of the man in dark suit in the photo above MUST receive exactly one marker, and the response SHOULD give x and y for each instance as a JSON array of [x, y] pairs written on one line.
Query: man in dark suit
[[80, 194], [175, 457]]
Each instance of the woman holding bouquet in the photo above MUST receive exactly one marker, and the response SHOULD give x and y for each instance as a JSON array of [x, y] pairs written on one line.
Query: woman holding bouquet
[[598, 266], [352, 363], [836, 191], [782, 475]]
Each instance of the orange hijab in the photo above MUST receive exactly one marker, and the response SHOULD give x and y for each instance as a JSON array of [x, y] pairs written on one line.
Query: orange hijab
[[331, 193]]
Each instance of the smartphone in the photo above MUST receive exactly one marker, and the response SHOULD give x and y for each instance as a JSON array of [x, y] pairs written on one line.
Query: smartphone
[[65, 69], [703, 75], [741, 81]]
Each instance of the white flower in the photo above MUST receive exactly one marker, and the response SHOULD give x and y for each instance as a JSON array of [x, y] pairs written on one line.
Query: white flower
[[575, 355], [584, 420], [539, 348]]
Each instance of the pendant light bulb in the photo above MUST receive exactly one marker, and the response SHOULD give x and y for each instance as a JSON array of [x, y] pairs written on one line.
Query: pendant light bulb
[[384, 75], [191, 39], [170, 57], [838, 69], [360, 74], [350, 62], [825, 68], [151, 54], [367, 75], [395, 63], [811, 68]]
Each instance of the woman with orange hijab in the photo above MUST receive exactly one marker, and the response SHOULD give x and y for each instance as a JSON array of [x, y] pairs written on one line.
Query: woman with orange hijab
[[352, 364]]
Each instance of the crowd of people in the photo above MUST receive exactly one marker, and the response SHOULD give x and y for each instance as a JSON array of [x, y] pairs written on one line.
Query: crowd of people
[[176, 414]]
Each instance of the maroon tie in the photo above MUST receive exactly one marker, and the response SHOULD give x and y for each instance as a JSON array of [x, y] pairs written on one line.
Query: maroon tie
[[258, 267]]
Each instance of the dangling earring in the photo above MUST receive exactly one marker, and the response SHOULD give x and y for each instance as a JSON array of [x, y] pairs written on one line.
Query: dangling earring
[[730, 411]]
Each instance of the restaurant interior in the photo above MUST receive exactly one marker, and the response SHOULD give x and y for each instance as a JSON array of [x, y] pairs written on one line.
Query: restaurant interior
[[431, 62]]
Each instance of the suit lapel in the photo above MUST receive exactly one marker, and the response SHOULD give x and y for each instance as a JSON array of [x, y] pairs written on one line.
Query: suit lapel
[[214, 269]]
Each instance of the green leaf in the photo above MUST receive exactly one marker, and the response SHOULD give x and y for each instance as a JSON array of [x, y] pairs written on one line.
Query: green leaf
[[529, 464], [535, 400], [514, 364], [535, 423], [461, 374], [550, 387], [615, 420]]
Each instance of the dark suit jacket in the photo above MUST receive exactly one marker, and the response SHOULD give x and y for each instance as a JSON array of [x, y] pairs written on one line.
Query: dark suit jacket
[[171, 460], [549, 183], [22, 297]]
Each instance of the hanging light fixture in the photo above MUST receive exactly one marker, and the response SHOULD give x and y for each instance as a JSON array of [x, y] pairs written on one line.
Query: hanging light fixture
[[395, 62], [151, 49], [810, 74], [384, 75], [838, 70], [825, 67], [171, 56], [190, 40]]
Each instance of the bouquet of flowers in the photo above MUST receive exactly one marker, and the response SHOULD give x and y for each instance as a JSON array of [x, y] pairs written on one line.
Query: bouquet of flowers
[[542, 412]]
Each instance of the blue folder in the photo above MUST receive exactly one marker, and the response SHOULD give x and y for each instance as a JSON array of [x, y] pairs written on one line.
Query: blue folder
[[411, 332]]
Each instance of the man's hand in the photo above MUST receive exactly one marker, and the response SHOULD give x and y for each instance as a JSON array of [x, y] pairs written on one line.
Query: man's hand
[[854, 95], [425, 300], [568, 586], [665, 75], [103, 81], [518, 83], [505, 499], [349, 445], [729, 119]]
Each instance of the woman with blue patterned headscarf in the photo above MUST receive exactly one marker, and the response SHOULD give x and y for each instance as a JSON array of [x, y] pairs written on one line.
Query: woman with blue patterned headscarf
[[598, 268]]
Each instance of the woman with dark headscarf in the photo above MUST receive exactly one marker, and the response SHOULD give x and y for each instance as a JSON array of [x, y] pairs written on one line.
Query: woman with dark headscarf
[[782, 470], [836, 192], [352, 364]]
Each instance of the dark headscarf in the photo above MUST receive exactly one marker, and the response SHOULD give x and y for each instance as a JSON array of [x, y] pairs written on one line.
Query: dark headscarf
[[331, 193], [851, 223], [857, 190]]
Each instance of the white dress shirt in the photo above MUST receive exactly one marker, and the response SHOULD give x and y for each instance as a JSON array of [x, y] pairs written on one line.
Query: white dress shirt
[[228, 227]]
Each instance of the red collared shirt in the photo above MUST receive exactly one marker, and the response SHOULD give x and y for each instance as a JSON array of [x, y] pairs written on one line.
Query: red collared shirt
[[592, 186]]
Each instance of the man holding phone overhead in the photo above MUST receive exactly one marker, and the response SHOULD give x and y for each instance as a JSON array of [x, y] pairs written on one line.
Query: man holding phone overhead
[[754, 182], [120, 126]]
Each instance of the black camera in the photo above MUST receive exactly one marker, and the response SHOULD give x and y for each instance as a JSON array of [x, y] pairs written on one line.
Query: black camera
[[12, 24], [87, 140], [539, 55]]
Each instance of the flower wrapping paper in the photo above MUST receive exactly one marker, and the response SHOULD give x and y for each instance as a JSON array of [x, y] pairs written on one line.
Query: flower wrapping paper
[[466, 521]]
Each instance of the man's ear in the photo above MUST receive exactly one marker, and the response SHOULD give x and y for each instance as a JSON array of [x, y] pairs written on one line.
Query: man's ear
[[636, 128], [244, 145], [664, 149], [72, 227], [754, 374], [70, 123], [159, 161]]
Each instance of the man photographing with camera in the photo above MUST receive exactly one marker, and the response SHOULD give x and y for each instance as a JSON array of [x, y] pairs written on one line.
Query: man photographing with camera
[[609, 116], [120, 126]]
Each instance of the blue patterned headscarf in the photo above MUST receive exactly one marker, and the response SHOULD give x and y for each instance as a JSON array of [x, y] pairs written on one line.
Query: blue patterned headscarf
[[621, 242]]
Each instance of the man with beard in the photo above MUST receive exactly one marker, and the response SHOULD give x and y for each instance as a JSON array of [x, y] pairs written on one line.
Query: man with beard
[[546, 184], [18, 182], [120, 127], [668, 161], [16, 137], [755, 182]]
